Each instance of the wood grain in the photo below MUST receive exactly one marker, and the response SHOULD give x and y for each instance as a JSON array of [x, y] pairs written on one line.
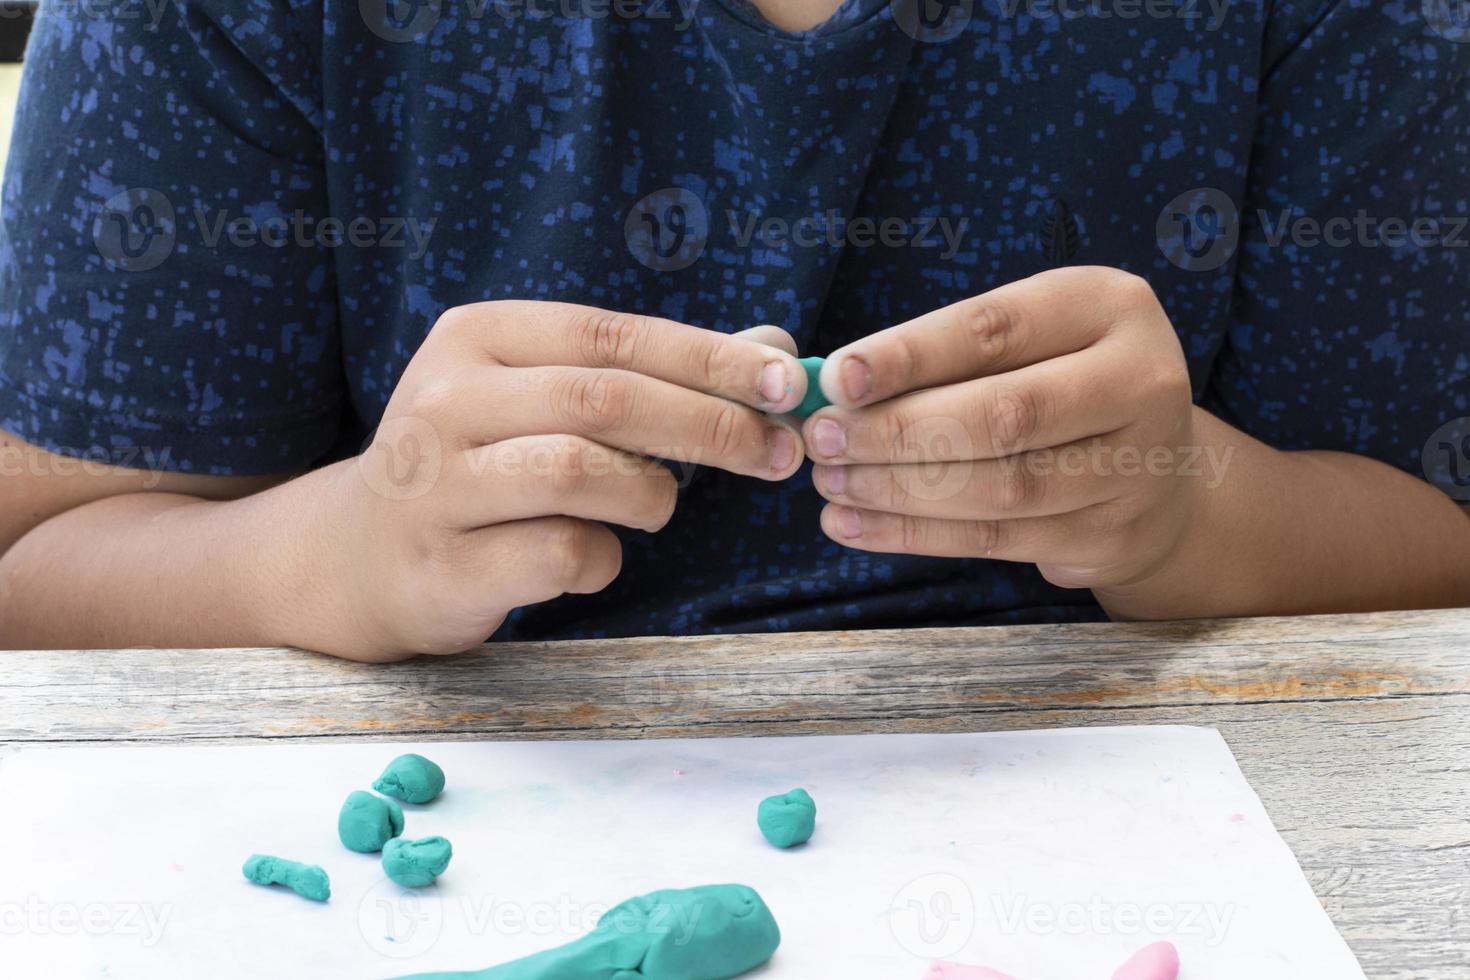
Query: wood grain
[[1354, 730]]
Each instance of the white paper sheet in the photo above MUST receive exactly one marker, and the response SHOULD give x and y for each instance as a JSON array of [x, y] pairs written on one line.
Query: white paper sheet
[[1050, 855]]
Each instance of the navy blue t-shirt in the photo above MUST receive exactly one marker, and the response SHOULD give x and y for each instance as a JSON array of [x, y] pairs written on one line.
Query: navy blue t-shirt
[[174, 291]]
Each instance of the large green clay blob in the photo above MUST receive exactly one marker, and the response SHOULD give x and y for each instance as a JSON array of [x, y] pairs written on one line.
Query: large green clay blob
[[306, 880], [814, 400], [713, 932], [367, 822], [412, 779], [416, 863], [788, 819]]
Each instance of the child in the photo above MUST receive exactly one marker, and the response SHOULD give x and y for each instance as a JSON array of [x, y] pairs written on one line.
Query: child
[[360, 326]]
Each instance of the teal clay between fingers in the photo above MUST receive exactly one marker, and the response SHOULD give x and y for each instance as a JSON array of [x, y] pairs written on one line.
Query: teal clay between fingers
[[367, 822], [416, 863], [412, 779], [814, 400], [788, 819], [306, 880], [713, 932]]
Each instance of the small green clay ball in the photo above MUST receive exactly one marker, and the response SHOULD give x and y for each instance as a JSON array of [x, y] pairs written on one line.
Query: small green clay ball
[[416, 863], [306, 880], [814, 400], [412, 779], [367, 822], [789, 819]]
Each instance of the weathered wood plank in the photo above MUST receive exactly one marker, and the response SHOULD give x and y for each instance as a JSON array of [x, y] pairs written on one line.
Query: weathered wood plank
[[1354, 730], [918, 680]]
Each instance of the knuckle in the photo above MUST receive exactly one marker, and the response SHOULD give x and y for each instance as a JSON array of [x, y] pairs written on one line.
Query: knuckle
[[434, 398], [1017, 488], [912, 534], [991, 329], [725, 433], [567, 477], [596, 402], [714, 359], [608, 339], [983, 537], [566, 551], [1016, 414], [895, 497]]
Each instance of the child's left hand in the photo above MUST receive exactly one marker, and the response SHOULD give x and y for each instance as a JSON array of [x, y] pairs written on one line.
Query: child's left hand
[[1046, 421]]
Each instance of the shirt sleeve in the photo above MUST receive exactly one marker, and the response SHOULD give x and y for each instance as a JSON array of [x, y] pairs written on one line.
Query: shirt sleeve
[[1351, 317], [164, 299]]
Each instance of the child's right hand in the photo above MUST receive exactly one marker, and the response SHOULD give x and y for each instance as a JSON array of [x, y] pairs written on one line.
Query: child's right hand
[[516, 428]]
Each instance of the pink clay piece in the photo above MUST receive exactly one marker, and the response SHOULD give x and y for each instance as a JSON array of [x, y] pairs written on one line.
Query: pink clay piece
[[1159, 961], [959, 971]]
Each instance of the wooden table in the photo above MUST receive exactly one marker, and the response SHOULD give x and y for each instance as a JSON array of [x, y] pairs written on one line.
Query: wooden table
[[1355, 730]]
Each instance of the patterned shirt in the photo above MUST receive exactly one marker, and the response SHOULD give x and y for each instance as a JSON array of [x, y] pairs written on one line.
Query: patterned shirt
[[228, 225]]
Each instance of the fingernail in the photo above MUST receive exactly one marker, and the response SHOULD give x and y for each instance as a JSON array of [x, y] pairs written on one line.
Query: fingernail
[[783, 447], [828, 438], [833, 479], [849, 522], [857, 379], [773, 386]]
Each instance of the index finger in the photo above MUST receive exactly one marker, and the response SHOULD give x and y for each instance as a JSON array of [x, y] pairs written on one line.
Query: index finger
[[1014, 326], [544, 334]]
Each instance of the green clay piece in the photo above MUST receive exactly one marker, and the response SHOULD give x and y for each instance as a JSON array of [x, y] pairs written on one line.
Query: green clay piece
[[367, 822], [306, 880], [412, 779], [814, 400], [789, 819], [712, 932], [416, 863]]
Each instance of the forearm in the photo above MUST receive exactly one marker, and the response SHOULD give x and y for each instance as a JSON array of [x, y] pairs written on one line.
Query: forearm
[[164, 570], [1311, 532]]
